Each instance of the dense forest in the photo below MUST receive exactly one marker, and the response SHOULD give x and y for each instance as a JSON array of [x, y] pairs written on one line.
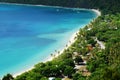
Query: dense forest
[[102, 63]]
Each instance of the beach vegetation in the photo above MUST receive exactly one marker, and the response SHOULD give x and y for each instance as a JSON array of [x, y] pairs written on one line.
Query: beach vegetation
[[8, 77], [102, 63]]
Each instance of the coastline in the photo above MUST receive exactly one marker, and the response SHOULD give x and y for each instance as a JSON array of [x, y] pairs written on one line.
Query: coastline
[[69, 43], [50, 58], [71, 40], [97, 12], [94, 10]]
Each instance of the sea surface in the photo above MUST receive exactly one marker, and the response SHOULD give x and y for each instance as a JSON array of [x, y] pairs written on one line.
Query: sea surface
[[29, 34]]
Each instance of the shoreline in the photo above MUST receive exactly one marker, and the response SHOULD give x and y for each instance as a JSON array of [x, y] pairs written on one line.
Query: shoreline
[[73, 8], [71, 40], [69, 43], [50, 58], [97, 12]]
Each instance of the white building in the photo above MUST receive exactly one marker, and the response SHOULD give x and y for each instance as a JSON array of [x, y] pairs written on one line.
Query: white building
[[51, 78]]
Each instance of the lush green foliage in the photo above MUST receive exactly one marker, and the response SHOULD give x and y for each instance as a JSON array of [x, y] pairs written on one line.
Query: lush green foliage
[[49, 69], [78, 76], [8, 77], [104, 64]]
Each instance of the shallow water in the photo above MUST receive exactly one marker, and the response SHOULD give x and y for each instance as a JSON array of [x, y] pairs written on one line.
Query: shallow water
[[29, 34]]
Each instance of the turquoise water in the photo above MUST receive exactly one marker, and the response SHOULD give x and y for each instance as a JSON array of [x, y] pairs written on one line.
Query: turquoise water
[[29, 34]]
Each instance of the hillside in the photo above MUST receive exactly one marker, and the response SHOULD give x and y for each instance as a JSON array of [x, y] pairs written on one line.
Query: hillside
[[102, 64]]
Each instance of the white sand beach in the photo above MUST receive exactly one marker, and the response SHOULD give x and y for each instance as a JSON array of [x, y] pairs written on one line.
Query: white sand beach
[[49, 58], [97, 12], [71, 40]]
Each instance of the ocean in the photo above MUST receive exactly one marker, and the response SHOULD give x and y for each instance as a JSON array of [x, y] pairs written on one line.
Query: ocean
[[30, 34]]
